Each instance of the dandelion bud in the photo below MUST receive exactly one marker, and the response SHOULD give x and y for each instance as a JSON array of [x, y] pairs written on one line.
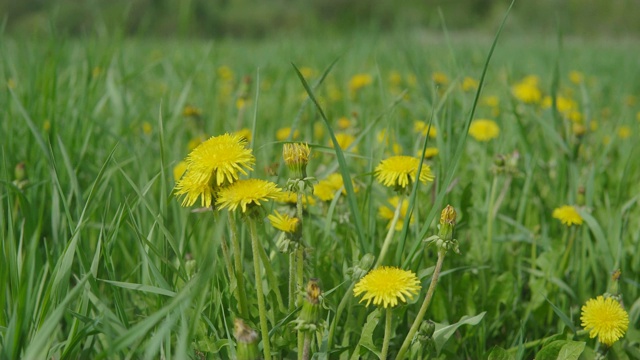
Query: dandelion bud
[[247, 346], [296, 157], [19, 172], [310, 314], [447, 223]]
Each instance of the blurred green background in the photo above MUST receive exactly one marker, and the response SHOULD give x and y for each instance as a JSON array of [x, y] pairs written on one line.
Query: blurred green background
[[255, 18]]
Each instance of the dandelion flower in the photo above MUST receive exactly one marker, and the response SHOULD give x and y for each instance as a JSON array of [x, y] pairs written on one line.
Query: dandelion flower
[[387, 213], [192, 188], [284, 222], [179, 170], [290, 197], [326, 189], [359, 81], [469, 84], [440, 78], [344, 140], [220, 159], [244, 193], [386, 284], [624, 132], [568, 215], [285, 132], [420, 126], [484, 130], [429, 152], [604, 318], [400, 171], [527, 90]]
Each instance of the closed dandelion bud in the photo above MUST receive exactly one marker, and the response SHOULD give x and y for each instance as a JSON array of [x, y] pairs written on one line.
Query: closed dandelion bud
[[247, 341], [427, 328], [447, 223], [296, 157], [310, 314]]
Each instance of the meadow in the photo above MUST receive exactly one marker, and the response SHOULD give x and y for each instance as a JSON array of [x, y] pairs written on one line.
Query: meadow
[[110, 250]]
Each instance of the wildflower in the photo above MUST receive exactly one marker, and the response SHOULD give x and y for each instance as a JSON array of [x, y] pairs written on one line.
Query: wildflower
[[284, 223], [290, 197], [400, 171], [429, 152], [326, 189], [245, 193], [576, 77], [344, 123], [423, 127], [344, 140], [147, 128], [359, 81], [387, 213], [568, 215], [285, 133], [604, 318], [296, 157], [179, 170], [440, 78], [395, 79], [308, 72], [386, 284], [225, 73], [469, 84], [527, 90], [624, 132], [215, 162], [191, 111], [309, 317], [484, 130], [244, 133]]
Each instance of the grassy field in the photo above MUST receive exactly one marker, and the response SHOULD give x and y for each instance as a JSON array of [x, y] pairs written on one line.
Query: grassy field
[[101, 261]]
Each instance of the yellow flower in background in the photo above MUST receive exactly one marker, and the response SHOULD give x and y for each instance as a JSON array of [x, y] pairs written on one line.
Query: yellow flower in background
[[528, 90], [283, 134], [624, 132], [396, 149], [179, 170], [440, 78], [289, 197], [244, 133], [308, 72], [246, 193], [191, 111], [318, 130], [568, 215], [344, 140], [327, 188], [578, 129], [630, 100], [423, 127], [193, 143], [284, 222], [241, 103], [147, 128], [576, 77], [343, 123], [604, 318], [386, 285], [412, 80], [490, 100], [395, 79], [429, 152], [469, 84], [359, 81], [387, 213], [484, 130], [225, 73], [400, 171]]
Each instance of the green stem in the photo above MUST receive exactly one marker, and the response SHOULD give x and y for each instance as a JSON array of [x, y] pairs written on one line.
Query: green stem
[[237, 256], [292, 280], [565, 257], [306, 352], [392, 230], [423, 309], [264, 328], [300, 275], [387, 334], [348, 295], [490, 215]]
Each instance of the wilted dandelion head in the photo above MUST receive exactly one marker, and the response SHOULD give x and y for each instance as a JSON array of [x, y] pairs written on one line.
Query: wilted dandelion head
[[604, 318], [400, 171], [484, 130], [385, 285], [245, 193], [568, 215]]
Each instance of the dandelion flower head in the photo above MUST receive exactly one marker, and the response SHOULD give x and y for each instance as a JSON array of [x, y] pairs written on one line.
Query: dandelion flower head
[[244, 193], [400, 171], [528, 90], [221, 159], [484, 130], [604, 318], [386, 284], [568, 215], [284, 222]]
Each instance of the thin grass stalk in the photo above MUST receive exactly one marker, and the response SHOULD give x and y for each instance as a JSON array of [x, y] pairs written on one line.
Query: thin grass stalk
[[423, 308], [262, 309], [390, 233], [240, 289]]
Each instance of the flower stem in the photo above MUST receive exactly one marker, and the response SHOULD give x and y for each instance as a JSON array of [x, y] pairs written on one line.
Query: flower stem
[[306, 352], [425, 306], [348, 295], [237, 256], [387, 334], [292, 280], [392, 230], [300, 276], [264, 328], [490, 216]]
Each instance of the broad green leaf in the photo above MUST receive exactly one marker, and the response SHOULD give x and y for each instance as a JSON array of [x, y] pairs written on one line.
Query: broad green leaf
[[443, 333], [366, 339], [499, 353]]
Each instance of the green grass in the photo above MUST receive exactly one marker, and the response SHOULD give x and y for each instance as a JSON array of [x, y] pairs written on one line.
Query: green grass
[[99, 260]]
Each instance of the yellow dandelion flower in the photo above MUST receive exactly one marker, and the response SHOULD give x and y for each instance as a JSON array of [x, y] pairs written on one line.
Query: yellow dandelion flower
[[490, 100], [308, 72], [290, 197], [244, 193], [284, 222], [358, 81], [484, 130], [225, 73], [345, 140], [396, 149], [191, 111], [440, 78], [604, 318], [179, 170], [326, 189], [387, 212], [395, 79], [568, 215], [527, 90], [285, 132], [469, 84], [147, 128], [221, 159], [423, 127], [400, 171], [344, 123], [429, 152], [624, 132], [386, 285], [244, 133], [576, 77], [192, 188]]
